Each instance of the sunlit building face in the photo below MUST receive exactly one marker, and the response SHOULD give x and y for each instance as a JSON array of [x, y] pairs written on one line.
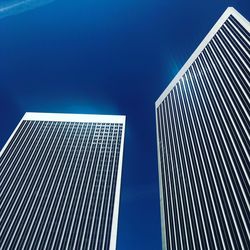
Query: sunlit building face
[[203, 132]]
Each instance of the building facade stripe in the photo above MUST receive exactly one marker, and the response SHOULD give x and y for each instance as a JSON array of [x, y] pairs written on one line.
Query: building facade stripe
[[43, 158], [28, 188]]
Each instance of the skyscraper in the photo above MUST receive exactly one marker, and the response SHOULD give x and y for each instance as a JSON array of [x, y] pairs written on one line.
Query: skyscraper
[[60, 178], [203, 139]]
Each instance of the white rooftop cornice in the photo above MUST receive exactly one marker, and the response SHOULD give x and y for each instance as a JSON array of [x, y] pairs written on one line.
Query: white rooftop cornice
[[229, 11]]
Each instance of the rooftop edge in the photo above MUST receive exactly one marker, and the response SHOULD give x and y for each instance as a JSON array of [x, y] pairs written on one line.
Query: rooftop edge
[[74, 117], [229, 11]]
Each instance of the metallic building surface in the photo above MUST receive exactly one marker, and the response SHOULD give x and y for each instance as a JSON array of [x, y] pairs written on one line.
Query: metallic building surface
[[60, 181], [203, 137]]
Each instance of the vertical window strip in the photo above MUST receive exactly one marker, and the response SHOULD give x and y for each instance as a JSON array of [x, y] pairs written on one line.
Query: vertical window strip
[[240, 48], [184, 166], [70, 178], [95, 227], [210, 142], [18, 189], [18, 152], [237, 189], [114, 160], [234, 58], [92, 202], [102, 235], [235, 163], [63, 237], [166, 149], [93, 238], [66, 170], [164, 181], [239, 26], [185, 85], [191, 182], [174, 131], [16, 186], [238, 52], [229, 133], [89, 167], [241, 70], [106, 220], [34, 168], [174, 177], [112, 197], [42, 160], [166, 195], [83, 166], [222, 75], [219, 147], [228, 120], [195, 82], [56, 164], [235, 76], [58, 188], [239, 152], [91, 195], [238, 34], [112, 167], [180, 92]]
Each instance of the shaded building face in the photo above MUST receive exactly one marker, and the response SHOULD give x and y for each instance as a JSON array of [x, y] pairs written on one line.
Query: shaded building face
[[203, 133], [60, 182]]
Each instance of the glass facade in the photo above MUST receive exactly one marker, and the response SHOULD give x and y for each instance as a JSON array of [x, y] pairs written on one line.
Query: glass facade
[[58, 185], [203, 131]]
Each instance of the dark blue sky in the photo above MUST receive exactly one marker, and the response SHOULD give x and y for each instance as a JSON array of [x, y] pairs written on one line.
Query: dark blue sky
[[106, 57]]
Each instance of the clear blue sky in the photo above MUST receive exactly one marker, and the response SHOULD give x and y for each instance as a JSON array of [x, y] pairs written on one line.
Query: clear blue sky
[[106, 57]]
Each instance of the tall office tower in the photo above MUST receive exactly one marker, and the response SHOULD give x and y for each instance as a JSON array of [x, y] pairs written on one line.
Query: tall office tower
[[60, 178], [203, 137]]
